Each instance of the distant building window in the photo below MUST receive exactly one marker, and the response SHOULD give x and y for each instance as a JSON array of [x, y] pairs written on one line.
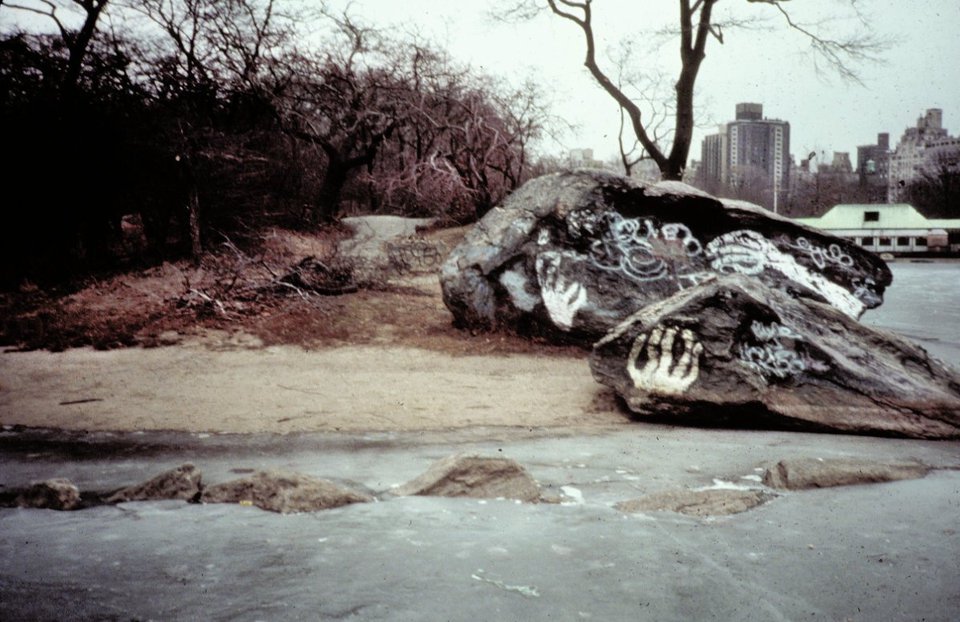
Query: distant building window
[[885, 241], [871, 217], [921, 242], [903, 241], [871, 167]]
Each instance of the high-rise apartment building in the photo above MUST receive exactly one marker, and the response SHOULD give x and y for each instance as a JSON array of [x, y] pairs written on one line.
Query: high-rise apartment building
[[714, 166], [873, 169], [748, 152], [919, 149]]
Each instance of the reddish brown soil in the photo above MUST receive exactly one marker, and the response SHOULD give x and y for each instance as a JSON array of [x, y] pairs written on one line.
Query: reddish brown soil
[[238, 292]]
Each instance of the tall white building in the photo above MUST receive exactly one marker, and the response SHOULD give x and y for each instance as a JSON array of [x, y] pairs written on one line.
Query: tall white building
[[920, 148]]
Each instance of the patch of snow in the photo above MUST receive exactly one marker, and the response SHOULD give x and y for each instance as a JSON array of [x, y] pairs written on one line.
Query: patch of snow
[[572, 493], [719, 484], [561, 550], [529, 591]]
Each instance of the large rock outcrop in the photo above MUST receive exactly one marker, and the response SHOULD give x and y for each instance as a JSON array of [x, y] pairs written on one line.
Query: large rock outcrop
[[571, 255], [737, 352]]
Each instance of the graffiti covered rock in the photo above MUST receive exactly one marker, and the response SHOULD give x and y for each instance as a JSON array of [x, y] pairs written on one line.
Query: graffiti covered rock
[[737, 352], [570, 255]]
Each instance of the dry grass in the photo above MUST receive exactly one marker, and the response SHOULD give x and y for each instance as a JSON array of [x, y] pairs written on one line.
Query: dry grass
[[240, 292]]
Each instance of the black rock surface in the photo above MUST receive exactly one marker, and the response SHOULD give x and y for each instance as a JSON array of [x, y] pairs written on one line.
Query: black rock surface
[[570, 255]]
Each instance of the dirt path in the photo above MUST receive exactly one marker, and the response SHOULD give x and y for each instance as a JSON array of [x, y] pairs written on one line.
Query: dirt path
[[383, 358], [285, 389]]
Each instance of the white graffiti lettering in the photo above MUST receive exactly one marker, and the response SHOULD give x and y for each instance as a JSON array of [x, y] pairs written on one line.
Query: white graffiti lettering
[[748, 252], [865, 290], [660, 372], [562, 300], [516, 285], [770, 357], [635, 247], [680, 232], [821, 256], [772, 360], [743, 252], [768, 332], [625, 247]]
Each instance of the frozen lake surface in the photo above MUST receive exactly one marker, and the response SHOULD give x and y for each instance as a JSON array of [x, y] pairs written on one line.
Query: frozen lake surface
[[923, 304], [873, 552]]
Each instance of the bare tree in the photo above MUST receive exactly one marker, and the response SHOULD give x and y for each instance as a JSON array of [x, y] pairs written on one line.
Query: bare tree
[[401, 125], [76, 40], [233, 44], [486, 141], [649, 91], [467, 140], [346, 103], [696, 25], [210, 60], [936, 191]]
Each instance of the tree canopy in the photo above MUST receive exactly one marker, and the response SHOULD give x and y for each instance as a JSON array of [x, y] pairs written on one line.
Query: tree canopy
[[196, 119]]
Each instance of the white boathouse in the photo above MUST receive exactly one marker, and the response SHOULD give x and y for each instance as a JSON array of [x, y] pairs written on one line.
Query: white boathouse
[[896, 228]]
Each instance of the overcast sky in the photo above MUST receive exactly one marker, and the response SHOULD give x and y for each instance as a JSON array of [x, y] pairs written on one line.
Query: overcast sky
[[770, 66]]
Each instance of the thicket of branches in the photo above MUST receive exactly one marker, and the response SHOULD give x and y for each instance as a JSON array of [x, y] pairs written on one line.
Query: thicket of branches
[[936, 191], [197, 118]]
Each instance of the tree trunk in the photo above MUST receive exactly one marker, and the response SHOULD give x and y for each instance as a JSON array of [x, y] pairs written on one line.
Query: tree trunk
[[328, 199], [671, 170], [193, 224], [80, 43]]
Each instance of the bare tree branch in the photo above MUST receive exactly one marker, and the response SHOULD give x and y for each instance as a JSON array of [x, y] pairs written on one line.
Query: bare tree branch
[[585, 23], [838, 53], [695, 26]]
